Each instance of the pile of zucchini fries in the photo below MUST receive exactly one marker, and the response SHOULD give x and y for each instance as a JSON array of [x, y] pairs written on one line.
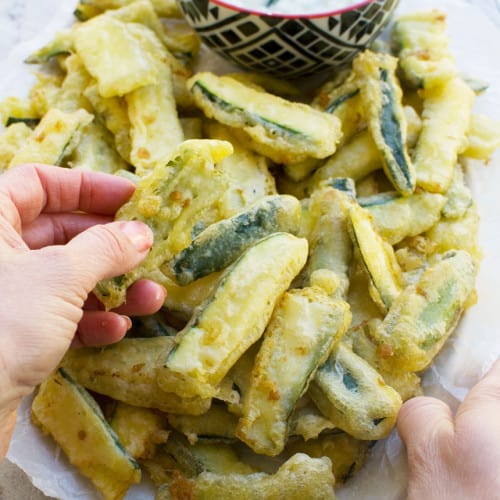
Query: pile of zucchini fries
[[317, 252]]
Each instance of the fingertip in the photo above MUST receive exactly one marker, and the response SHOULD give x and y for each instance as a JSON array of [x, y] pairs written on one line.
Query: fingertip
[[100, 328], [139, 234], [143, 297]]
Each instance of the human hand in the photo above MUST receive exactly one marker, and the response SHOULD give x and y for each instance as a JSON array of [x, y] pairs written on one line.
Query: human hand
[[57, 240], [454, 456]]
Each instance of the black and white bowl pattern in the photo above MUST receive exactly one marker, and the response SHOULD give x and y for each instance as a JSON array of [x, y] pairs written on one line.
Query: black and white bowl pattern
[[289, 47]]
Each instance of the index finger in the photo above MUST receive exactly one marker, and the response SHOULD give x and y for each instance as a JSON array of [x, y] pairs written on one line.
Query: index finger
[[27, 191]]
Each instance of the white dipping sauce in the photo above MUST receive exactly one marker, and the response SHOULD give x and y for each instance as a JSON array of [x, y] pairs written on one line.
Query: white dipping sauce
[[293, 6]]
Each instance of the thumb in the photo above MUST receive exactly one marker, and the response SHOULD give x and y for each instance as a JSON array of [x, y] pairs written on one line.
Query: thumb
[[423, 420], [108, 250], [482, 404]]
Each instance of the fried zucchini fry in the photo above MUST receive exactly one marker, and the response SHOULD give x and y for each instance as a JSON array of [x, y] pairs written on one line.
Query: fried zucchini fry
[[331, 248], [171, 200], [397, 217], [377, 258], [446, 121], [155, 129], [71, 96], [292, 130], [112, 111], [234, 317], [66, 411], [424, 315], [419, 40], [127, 371], [483, 137], [305, 326], [354, 397], [96, 151], [140, 430], [54, 138], [298, 478], [115, 56]]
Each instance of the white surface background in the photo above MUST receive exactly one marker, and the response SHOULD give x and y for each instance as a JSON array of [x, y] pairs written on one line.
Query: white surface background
[[474, 28]]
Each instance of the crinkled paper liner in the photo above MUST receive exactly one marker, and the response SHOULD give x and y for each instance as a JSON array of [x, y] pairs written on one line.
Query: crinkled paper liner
[[475, 37]]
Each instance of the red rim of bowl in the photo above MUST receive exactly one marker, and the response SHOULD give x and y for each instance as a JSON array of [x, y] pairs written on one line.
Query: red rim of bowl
[[222, 3]]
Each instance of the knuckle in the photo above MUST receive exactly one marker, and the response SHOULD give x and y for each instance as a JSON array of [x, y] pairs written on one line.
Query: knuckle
[[117, 248]]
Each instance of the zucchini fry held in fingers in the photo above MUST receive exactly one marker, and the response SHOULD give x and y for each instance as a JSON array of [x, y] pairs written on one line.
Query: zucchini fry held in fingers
[[171, 200]]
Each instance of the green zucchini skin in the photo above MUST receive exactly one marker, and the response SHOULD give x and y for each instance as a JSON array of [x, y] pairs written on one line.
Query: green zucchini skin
[[334, 104], [381, 95], [30, 122], [151, 326], [254, 119], [221, 243], [62, 44]]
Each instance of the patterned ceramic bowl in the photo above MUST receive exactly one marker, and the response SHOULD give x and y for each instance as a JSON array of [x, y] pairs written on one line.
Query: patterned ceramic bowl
[[289, 46]]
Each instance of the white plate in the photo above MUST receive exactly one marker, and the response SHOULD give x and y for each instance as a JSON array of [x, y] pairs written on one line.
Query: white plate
[[475, 37]]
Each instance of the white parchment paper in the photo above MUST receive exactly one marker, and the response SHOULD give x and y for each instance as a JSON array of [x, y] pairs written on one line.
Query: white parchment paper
[[474, 28]]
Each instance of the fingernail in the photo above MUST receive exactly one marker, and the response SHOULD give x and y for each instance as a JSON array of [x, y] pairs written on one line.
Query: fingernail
[[138, 233], [128, 322]]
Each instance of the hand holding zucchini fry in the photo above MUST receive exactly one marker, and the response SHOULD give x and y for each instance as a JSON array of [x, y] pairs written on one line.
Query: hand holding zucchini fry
[[318, 250]]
